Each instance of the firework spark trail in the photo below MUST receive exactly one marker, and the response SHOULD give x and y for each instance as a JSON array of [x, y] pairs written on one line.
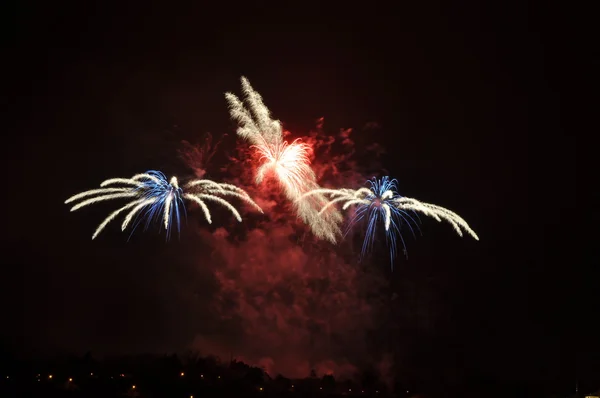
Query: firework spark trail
[[153, 198], [102, 198], [224, 189], [382, 202], [289, 163], [197, 157], [143, 203], [438, 213], [113, 215]]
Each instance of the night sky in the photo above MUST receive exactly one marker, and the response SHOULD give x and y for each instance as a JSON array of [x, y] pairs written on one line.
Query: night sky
[[465, 100]]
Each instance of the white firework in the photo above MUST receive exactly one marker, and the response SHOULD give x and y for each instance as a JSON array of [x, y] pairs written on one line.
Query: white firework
[[288, 162]]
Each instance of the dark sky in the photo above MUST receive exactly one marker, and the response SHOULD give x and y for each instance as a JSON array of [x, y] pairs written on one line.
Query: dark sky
[[468, 100]]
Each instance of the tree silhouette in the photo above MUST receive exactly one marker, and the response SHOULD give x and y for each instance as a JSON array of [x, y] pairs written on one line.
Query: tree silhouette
[[328, 382], [369, 379], [282, 383], [254, 377]]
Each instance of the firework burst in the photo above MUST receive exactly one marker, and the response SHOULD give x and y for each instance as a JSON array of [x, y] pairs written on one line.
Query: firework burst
[[152, 198], [382, 203], [288, 163]]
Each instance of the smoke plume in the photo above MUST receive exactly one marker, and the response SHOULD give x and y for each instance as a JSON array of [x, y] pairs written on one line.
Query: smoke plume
[[287, 301]]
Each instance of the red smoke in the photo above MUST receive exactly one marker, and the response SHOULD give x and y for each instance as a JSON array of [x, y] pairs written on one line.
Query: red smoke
[[197, 157], [287, 302]]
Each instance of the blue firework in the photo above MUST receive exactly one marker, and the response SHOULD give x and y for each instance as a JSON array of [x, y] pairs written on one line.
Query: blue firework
[[162, 202], [381, 206], [153, 198], [377, 207]]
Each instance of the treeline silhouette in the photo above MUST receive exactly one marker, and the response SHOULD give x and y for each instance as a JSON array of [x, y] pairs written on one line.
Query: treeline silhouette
[[192, 376], [173, 376]]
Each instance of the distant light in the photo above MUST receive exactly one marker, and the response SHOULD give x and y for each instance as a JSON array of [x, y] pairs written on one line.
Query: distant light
[[320, 388], [363, 390], [292, 386], [49, 376], [182, 374], [218, 377], [349, 389], [260, 389], [133, 387], [376, 391], [122, 375], [9, 377], [70, 379], [91, 374], [202, 376]]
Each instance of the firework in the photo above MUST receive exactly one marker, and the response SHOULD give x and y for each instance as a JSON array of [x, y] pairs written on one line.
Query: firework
[[382, 203], [152, 197], [288, 163], [206, 190]]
